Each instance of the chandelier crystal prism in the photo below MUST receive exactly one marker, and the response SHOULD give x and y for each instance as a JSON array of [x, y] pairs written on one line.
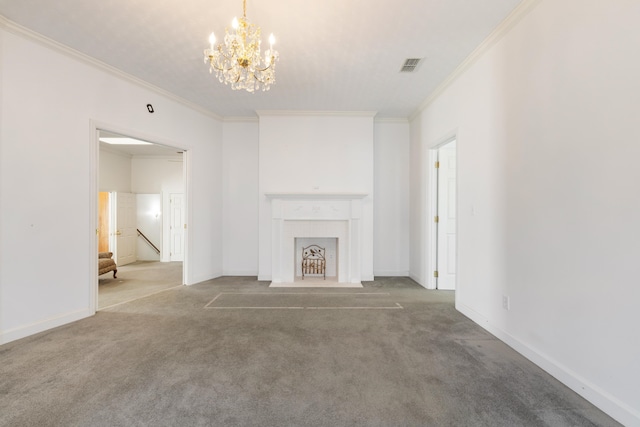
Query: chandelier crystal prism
[[237, 61]]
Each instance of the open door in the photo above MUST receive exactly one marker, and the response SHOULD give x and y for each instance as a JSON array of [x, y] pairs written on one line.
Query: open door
[[103, 221], [445, 218], [176, 201], [126, 217]]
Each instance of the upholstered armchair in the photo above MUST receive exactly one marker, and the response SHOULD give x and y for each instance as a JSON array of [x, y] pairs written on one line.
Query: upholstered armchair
[[106, 263]]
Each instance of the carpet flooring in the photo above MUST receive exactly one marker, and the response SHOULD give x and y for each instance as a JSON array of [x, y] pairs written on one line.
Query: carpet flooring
[[315, 282], [137, 280], [173, 359]]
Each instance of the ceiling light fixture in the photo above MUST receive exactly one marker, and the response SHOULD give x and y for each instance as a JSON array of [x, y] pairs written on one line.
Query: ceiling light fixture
[[123, 141], [238, 61]]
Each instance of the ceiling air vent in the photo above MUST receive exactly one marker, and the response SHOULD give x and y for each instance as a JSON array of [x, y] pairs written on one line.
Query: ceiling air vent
[[410, 65]]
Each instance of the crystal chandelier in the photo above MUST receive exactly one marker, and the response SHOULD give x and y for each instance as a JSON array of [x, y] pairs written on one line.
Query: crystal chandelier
[[238, 62]]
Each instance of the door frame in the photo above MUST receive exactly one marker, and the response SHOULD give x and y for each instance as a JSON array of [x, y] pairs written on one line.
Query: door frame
[[94, 181], [432, 209]]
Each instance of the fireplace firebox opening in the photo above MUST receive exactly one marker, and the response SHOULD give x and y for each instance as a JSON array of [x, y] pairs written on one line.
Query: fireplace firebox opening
[[316, 258]]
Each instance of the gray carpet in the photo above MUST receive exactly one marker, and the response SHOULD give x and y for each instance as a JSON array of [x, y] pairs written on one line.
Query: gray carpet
[[166, 360], [136, 280], [303, 300]]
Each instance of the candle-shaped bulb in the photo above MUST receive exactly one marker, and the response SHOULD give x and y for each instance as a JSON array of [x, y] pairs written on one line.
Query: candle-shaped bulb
[[235, 24], [212, 40], [272, 39]]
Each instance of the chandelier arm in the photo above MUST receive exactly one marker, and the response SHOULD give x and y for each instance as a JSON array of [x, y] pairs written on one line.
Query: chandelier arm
[[267, 67], [213, 63], [262, 81], [218, 68], [229, 58]]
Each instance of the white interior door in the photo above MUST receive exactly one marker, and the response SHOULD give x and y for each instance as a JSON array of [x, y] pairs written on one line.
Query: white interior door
[[125, 228], [176, 201], [446, 258]]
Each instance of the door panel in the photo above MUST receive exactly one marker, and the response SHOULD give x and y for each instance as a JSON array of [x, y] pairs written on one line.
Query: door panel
[[125, 228], [103, 222], [447, 217], [177, 227]]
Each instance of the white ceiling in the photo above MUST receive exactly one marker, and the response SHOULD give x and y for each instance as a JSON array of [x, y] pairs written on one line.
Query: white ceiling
[[335, 55]]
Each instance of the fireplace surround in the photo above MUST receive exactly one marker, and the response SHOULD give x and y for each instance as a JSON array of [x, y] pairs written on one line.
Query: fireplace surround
[[316, 215]]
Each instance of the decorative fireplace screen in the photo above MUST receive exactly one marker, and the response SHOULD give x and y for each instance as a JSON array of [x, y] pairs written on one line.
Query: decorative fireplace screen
[[313, 261]]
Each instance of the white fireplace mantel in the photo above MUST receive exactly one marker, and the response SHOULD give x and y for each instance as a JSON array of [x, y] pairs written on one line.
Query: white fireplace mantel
[[319, 215]]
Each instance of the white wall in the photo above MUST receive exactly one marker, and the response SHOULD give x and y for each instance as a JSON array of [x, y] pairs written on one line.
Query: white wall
[[391, 205], [417, 203], [322, 153], [114, 172], [149, 221], [157, 174], [240, 169], [48, 178], [547, 126], [163, 175]]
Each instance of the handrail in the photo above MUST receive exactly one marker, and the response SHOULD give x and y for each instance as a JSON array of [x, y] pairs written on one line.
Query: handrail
[[140, 233]]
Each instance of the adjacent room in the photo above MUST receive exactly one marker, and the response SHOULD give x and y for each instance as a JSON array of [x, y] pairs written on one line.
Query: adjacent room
[[140, 218], [416, 213]]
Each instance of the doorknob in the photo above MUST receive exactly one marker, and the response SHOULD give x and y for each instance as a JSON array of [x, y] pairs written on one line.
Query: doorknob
[[118, 233]]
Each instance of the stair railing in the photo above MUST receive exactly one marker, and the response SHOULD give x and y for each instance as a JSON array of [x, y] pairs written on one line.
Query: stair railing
[[141, 234]]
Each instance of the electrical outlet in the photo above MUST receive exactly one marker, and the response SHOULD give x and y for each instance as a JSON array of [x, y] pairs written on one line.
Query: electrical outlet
[[506, 303]]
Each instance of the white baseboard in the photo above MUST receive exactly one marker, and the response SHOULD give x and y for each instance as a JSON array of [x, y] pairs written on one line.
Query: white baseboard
[[43, 325], [205, 277], [264, 278], [391, 273], [251, 273], [416, 278], [616, 409]]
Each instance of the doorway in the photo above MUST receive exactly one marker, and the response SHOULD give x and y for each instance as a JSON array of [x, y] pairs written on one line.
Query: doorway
[[443, 229], [135, 177]]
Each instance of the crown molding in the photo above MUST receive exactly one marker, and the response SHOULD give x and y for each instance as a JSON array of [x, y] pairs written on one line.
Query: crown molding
[[241, 119], [400, 120], [175, 158], [496, 35], [262, 113], [247, 119], [21, 31]]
